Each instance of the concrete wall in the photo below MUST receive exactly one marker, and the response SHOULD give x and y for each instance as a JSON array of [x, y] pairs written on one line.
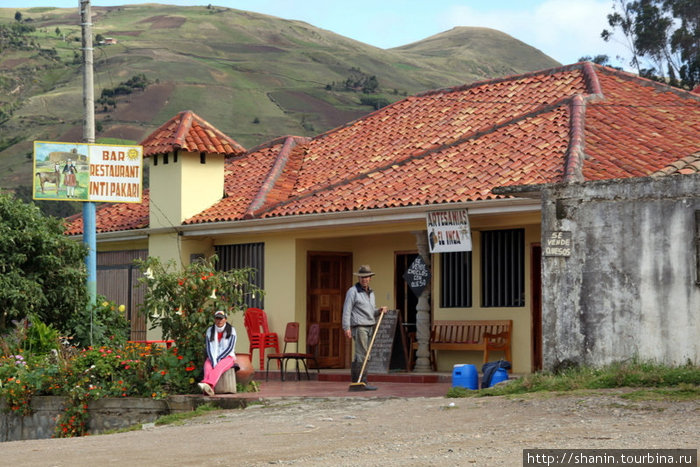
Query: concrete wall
[[628, 288]]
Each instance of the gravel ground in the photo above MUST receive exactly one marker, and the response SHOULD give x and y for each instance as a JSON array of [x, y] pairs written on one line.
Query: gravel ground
[[488, 431]]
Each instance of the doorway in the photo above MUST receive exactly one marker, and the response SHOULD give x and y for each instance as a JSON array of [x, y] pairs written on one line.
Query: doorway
[[406, 301], [329, 276], [536, 309]]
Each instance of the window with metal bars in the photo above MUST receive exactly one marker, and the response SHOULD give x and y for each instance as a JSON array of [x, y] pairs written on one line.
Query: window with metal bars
[[456, 279], [503, 268], [245, 255]]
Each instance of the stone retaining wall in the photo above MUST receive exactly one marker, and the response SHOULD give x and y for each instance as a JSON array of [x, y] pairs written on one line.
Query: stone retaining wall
[[104, 414]]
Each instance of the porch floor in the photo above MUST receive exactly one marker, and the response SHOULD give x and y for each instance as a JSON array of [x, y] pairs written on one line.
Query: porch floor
[[335, 383]]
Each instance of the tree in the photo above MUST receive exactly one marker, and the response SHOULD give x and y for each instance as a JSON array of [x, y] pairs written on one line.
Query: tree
[[663, 37], [18, 16], [41, 270]]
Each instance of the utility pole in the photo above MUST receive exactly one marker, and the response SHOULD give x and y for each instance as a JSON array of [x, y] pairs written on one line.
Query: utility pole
[[89, 224]]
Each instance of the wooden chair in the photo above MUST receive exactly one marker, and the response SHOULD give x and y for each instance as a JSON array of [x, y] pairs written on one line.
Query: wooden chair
[[259, 335], [313, 339], [499, 341], [291, 336]]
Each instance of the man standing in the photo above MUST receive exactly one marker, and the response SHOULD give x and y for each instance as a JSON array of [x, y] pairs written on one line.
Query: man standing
[[359, 317]]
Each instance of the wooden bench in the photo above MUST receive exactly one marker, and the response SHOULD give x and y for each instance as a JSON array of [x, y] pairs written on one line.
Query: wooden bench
[[478, 335]]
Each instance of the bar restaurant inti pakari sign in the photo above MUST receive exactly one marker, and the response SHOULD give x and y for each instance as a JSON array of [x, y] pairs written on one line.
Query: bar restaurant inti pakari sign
[[88, 172], [449, 231]]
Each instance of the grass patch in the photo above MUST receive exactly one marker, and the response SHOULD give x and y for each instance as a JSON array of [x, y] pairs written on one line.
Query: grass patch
[[659, 381], [137, 427], [179, 418], [682, 393]]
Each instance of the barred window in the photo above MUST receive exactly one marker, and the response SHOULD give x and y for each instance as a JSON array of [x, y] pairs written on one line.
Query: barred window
[[245, 255], [503, 268], [456, 279]]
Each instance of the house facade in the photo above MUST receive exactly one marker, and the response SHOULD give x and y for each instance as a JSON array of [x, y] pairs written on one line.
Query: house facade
[[307, 212]]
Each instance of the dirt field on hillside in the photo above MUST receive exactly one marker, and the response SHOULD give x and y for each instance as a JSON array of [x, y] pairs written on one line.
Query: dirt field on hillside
[[489, 431]]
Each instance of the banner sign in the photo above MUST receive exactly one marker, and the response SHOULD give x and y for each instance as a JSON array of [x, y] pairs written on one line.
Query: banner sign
[[449, 231], [88, 172]]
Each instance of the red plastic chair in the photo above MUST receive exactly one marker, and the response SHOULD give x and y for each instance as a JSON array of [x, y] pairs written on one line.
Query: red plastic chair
[[259, 335]]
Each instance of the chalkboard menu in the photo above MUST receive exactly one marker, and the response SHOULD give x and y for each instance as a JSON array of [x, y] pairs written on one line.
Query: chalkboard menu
[[380, 357]]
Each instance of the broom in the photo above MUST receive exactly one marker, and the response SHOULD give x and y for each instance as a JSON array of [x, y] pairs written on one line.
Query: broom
[[359, 385]]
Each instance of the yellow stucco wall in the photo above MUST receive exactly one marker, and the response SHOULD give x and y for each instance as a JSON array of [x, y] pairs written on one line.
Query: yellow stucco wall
[[285, 278]]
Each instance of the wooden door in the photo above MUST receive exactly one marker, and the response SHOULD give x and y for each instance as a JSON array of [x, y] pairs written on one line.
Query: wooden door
[[329, 277]]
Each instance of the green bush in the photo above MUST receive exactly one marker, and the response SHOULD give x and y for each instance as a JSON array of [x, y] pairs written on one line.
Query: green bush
[[42, 271]]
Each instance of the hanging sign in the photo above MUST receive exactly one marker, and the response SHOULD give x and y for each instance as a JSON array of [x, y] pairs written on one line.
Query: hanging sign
[[88, 172], [449, 231], [417, 276]]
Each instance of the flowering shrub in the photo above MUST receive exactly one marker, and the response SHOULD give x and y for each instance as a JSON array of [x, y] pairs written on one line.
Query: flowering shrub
[[182, 303], [35, 361], [132, 370], [103, 323], [20, 379]]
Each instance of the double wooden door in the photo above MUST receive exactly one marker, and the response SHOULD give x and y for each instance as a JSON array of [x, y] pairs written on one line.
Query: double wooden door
[[329, 277]]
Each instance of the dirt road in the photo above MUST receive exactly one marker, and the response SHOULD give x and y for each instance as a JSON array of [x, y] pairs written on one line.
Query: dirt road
[[489, 431]]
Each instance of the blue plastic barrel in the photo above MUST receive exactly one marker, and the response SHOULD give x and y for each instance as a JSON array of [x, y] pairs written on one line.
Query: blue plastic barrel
[[465, 376], [501, 374]]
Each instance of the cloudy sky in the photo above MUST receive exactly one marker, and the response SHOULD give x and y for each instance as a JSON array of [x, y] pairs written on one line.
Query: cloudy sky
[[563, 29]]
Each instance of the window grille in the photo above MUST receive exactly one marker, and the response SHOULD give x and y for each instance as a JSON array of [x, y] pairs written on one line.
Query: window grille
[[456, 279], [503, 268], [245, 255]]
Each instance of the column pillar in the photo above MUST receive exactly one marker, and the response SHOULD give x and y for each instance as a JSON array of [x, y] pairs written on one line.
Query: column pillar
[[423, 310]]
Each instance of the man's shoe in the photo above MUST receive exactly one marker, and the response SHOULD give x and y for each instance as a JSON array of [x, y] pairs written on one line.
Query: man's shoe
[[367, 387], [206, 389]]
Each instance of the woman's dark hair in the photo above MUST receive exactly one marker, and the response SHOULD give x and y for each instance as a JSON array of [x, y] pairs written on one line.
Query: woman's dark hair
[[227, 331]]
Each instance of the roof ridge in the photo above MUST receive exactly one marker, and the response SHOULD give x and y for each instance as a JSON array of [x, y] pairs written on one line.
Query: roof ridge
[[590, 77], [183, 127], [416, 156], [502, 79], [272, 142], [575, 155], [273, 174]]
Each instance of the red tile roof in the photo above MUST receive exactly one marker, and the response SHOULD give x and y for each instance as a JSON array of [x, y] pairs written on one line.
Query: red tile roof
[[685, 166], [192, 133], [114, 217], [579, 122]]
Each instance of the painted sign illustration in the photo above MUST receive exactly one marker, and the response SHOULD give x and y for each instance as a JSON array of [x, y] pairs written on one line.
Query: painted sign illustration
[[87, 172]]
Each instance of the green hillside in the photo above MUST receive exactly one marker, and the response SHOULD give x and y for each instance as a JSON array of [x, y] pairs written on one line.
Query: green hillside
[[255, 77]]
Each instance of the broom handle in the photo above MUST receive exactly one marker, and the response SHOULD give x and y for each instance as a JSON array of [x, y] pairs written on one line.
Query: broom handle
[[369, 349]]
